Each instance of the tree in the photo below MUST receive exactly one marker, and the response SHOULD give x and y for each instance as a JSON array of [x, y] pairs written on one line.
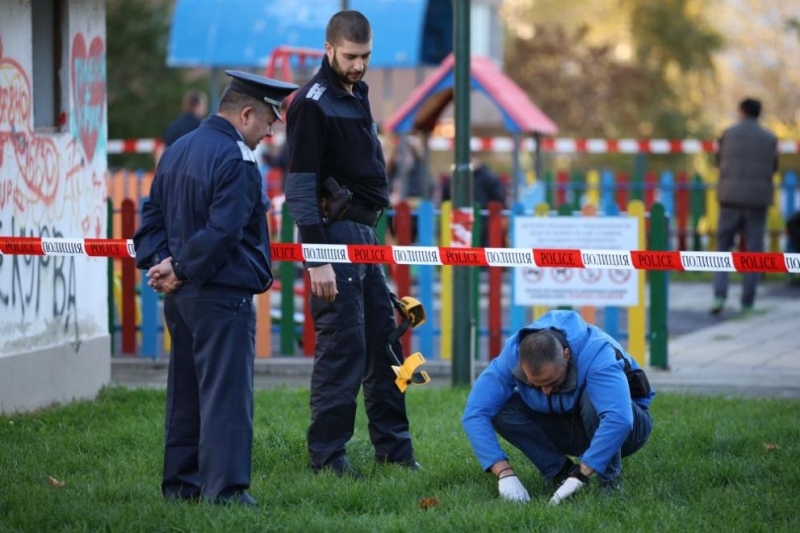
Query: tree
[[144, 95], [614, 68]]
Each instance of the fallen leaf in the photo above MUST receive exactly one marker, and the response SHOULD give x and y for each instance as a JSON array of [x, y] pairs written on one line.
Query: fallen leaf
[[769, 446], [53, 482], [427, 503]]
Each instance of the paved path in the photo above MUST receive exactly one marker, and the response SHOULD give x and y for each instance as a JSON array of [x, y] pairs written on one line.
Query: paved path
[[756, 355]]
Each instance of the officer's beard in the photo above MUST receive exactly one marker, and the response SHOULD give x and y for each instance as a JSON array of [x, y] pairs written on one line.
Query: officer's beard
[[344, 77]]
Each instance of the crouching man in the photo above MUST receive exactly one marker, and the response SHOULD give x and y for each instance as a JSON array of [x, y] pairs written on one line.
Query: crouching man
[[560, 388]]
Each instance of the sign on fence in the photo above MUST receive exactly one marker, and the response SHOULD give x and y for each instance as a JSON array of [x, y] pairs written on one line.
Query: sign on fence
[[603, 286]]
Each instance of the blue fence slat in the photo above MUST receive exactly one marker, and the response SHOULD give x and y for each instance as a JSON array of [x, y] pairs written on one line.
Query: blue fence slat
[[148, 301], [667, 196], [426, 224], [789, 188], [607, 190], [149, 328]]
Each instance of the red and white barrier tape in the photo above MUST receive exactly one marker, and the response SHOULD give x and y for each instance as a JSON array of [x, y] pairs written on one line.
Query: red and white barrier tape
[[506, 144], [440, 255]]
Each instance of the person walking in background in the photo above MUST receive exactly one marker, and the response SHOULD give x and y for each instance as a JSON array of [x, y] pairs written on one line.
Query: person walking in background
[[409, 180], [486, 187], [747, 158], [195, 107], [561, 387], [336, 190], [408, 177], [204, 241]]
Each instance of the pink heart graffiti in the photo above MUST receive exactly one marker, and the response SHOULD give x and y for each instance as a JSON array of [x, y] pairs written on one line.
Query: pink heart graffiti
[[89, 90]]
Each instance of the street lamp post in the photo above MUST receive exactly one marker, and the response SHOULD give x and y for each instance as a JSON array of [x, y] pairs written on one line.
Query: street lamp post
[[462, 194]]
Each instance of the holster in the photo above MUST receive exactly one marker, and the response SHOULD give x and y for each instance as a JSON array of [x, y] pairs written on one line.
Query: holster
[[339, 206]]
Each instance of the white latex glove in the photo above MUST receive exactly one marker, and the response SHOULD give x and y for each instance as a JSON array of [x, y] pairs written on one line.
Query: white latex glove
[[512, 490], [567, 489]]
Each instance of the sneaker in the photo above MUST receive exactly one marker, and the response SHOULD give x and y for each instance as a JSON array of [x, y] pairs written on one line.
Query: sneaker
[[747, 309], [717, 306], [341, 467], [610, 486], [561, 476]]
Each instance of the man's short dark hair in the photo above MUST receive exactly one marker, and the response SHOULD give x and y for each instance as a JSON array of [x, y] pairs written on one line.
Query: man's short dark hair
[[348, 25], [750, 107], [539, 349]]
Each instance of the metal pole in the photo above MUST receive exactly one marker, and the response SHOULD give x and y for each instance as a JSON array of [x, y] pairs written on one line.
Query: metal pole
[[344, 5], [462, 193]]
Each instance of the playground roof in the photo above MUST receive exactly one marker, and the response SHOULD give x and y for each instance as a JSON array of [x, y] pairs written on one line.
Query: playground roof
[[422, 109], [243, 33]]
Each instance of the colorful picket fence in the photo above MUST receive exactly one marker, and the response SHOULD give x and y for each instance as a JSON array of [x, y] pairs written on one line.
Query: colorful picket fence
[[431, 284], [676, 213]]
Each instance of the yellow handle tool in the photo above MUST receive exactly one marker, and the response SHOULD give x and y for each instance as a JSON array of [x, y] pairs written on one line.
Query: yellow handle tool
[[407, 374]]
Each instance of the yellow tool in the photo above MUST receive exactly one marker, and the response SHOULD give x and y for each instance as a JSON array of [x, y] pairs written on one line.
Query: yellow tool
[[412, 314], [412, 309], [406, 373]]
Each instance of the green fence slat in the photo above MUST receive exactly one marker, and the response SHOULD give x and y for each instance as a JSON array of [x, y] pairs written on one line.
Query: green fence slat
[[659, 279], [288, 334]]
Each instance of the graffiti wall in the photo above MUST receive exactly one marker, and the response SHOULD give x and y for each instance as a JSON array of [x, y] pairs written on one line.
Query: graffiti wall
[[52, 183]]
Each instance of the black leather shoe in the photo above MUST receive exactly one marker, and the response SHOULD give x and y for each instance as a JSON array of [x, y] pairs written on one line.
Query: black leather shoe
[[341, 467], [410, 463], [181, 493], [237, 498]]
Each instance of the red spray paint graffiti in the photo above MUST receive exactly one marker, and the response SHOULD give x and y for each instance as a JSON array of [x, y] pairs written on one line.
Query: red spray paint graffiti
[[36, 157]]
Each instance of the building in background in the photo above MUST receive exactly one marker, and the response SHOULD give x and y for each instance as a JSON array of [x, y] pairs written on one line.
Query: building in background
[[54, 338]]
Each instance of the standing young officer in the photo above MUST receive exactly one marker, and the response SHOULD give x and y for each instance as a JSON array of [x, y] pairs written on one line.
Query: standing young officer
[[204, 239], [333, 144]]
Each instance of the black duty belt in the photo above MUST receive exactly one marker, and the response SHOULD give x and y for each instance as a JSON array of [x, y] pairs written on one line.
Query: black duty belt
[[355, 213], [362, 215]]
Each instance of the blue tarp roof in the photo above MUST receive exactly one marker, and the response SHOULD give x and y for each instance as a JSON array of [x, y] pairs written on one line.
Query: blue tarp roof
[[243, 33]]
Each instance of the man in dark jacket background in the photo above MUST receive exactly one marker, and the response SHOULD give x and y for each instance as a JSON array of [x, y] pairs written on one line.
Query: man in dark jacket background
[[747, 158]]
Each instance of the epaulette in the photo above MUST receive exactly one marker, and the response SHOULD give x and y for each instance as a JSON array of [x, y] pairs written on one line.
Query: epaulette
[[247, 153], [315, 92]]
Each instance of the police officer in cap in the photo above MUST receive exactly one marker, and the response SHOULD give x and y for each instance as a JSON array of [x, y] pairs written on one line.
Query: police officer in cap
[[203, 239]]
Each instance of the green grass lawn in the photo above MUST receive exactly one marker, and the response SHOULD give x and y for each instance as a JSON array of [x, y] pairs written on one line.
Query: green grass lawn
[[712, 464]]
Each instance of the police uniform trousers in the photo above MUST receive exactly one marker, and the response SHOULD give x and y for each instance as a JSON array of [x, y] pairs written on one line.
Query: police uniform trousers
[[209, 411], [350, 351]]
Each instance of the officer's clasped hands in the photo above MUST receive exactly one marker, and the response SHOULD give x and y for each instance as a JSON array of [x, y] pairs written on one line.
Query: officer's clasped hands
[[162, 278]]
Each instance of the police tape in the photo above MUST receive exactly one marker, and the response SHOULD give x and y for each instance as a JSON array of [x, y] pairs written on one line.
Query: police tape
[[450, 256], [558, 145]]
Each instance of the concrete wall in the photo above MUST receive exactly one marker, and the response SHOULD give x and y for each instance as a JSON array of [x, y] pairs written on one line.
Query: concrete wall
[[54, 343]]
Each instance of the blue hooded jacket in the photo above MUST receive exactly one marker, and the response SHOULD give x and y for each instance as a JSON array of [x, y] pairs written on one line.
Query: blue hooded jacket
[[595, 369]]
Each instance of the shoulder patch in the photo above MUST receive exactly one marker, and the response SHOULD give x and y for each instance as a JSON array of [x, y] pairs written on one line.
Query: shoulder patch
[[247, 153], [315, 92]]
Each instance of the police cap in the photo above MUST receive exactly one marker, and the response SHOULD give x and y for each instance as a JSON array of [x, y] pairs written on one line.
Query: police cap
[[270, 91]]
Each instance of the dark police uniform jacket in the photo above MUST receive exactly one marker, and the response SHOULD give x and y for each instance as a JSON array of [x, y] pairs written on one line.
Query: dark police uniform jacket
[[331, 132], [208, 212]]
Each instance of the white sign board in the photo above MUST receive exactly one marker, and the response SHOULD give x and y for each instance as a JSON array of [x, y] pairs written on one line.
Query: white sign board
[[576, 286]]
